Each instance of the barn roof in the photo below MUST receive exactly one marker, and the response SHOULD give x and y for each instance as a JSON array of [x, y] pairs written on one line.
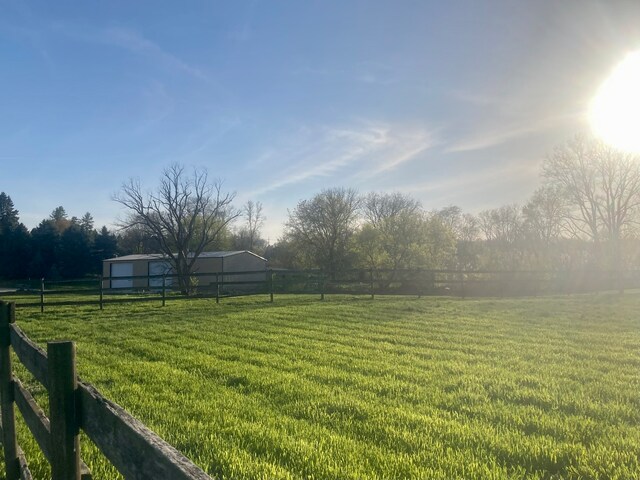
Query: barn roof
[[160, 256]]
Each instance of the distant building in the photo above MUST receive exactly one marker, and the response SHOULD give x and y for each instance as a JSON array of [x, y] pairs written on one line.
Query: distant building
[[141, 271]]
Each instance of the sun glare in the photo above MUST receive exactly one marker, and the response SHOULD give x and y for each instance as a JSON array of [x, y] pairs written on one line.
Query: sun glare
[[615, 110]]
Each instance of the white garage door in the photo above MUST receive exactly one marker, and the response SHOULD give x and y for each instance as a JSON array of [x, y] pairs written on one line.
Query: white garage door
[[159, 268], [121, 270]]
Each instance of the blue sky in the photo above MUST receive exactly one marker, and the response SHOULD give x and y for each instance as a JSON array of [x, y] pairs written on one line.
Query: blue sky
[[453, 102]]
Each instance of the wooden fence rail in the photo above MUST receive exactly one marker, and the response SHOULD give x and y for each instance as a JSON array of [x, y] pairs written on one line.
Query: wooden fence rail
[[372, 282], [135, 451]]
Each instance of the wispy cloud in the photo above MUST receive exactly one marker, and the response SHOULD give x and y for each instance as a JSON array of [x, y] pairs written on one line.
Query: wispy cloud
[[478, 184], [204, 138], [375, 73], [359, 151], [484, 138], [158, 105], [371, 73], [244, 33], [19, 21], [132, 41], [137, 43]]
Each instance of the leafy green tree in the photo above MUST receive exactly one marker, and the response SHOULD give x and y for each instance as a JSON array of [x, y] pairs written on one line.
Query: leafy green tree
[[465, 228], [392, 236], [322, 229]]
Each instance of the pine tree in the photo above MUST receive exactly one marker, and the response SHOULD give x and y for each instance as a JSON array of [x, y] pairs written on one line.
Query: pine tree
[[8, 214]]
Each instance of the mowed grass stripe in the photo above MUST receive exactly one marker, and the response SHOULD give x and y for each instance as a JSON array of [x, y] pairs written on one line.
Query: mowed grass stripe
[[389, 388]]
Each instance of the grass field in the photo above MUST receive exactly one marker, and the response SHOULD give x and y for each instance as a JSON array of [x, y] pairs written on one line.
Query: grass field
[[353, 388]]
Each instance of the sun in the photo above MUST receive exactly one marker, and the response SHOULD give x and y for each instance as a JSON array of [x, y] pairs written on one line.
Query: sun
[[615, 110]]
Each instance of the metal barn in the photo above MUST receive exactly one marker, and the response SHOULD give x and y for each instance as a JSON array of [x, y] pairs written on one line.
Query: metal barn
[[137, 271]]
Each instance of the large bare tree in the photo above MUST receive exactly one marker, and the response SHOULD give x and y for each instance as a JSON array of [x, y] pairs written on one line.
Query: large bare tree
[[186, 214], [601, 186]]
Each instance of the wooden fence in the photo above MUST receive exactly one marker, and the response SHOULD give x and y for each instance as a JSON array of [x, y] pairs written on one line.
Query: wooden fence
[[135, 451], [420, 282]]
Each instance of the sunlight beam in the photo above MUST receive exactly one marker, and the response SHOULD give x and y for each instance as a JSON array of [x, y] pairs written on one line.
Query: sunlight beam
[[615, 111]]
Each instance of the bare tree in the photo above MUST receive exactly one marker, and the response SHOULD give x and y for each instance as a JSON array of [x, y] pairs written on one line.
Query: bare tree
[[502, 229], [601, 186], [466, 230], [501, 225], [185, 215], [545, 221], [545, 215], [255, 219]]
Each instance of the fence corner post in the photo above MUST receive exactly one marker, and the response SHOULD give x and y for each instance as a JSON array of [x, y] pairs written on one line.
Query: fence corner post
[[9, 440], [65, 440]]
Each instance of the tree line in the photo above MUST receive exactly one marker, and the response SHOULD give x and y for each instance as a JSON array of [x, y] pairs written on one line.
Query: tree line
[[584, 215]]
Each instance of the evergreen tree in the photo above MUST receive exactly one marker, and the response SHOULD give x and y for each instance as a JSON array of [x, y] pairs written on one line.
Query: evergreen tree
[[105, 245], [8, 214], [60, 220], [45, 239], [86, 223], [74, 259], [14, 241]]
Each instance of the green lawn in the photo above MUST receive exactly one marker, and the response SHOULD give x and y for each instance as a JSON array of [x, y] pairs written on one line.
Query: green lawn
[[355, 388]]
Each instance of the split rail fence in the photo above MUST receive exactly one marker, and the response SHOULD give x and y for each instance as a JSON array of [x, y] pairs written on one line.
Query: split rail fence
[[419, 282], [134, 450]]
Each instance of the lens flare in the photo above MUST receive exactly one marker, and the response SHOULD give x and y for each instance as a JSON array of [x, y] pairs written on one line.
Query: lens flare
[[615, 110]]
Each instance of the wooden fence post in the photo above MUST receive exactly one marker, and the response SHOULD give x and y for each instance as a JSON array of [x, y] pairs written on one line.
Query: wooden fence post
[[42, 295], [65, 442], [371, 283], [9, 441], [101, 291], [271, 285], [164, 290]]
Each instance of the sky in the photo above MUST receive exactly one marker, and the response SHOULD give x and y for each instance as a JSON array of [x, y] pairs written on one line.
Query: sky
[[454, 103]]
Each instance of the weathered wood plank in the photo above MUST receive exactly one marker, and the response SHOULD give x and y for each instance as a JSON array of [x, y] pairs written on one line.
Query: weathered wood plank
[[29, 408], [7, 412], [63, 381], [34, 417], [85, 473], [25, 473], [137, 452], [30, 354]]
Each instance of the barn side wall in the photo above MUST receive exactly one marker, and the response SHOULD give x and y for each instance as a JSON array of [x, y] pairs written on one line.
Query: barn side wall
[[204, 266], [245, 262], [140, 268]]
